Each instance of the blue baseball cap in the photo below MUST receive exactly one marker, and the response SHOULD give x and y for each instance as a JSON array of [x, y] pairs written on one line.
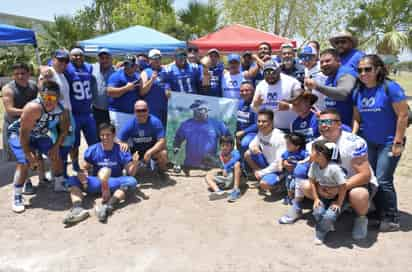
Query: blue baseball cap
[[307, 53], [61, 54], [233, 57], [104, 51]]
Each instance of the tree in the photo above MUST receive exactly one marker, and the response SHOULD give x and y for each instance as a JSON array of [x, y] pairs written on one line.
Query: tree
[[385, 24]]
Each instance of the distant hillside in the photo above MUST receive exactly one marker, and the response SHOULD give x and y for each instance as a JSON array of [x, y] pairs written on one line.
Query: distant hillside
[[22, 21]]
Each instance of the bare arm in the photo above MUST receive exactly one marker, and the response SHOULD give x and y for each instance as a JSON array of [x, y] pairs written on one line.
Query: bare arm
[[29, 117], [133, 166], [362, 172], [9, 103], [401, 110], [355, 121], [159, 145], [146, 82], [119, 91]]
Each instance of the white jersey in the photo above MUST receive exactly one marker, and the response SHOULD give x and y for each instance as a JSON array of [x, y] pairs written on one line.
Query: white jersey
[[61, 80], [231, 84], [272, 146], [350, 146], [320, 78], [286, 88]]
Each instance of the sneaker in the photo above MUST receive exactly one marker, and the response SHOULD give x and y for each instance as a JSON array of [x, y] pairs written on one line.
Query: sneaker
[[217, 195], [103, 212], [18, 204], [234, 195], [75, 215], [291, 217], [360, 228], [28, 188], [388, 226], [59, 186], [319, 237]]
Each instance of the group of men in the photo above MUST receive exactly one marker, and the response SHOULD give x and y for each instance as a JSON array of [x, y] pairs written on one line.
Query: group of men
[[127, 109]]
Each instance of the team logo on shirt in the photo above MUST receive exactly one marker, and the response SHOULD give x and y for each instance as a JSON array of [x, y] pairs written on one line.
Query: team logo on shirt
[[368, 102], [303, 124], [140, 133], [233, 83]]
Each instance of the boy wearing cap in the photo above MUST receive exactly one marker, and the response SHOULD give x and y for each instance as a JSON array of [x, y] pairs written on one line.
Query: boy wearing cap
[[154, 88], [29, 134]]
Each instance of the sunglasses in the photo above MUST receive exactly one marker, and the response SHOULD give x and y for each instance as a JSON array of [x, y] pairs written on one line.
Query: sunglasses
[[327, 122], [192, 50], [365, 69], [140, 110], [49, 98], [341, 41], [270, 72]]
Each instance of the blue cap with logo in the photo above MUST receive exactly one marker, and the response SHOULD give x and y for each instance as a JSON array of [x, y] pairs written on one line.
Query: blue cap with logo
[[104, 51], [307, 53], [233, 57], [61, 54]]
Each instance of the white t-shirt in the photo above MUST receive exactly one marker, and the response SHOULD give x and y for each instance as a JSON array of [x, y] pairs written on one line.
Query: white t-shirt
[[320, 78], [286, 88], [272, 146], [61, 80], [231, 84]]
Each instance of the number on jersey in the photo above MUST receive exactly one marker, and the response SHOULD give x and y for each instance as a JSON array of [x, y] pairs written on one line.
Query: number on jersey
[[81, 90]]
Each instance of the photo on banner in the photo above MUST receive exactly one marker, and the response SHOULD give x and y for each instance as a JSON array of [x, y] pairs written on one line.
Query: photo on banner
[[194, 125]]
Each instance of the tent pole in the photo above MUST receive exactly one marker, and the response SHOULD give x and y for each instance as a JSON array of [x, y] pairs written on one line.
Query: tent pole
[[37, 56]]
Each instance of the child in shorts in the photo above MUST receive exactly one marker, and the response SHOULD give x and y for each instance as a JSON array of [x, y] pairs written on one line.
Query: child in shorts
[[327, 180], [219, 180]]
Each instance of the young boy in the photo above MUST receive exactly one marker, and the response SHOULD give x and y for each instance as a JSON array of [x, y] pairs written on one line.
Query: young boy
[[219, 180]]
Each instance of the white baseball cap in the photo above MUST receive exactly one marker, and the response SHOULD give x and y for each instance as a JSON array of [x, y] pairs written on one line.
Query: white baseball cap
[[154, 53]]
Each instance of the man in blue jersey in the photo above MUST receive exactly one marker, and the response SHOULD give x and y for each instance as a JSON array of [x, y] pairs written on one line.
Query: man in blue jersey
[[184, 76], [107, 162], [145, 134], [289, 65], [339, 84], [201, 135], [214, 68], [123, 90], [79, 75], [29, 135], [345, 43], [154, 88]]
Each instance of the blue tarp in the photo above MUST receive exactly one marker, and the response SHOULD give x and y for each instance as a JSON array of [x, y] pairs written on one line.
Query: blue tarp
[[12, 35], [135, 39]]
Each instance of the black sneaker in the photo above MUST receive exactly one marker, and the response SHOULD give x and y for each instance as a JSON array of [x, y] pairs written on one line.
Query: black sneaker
[[28, 188], [75, 215], [103, 212]]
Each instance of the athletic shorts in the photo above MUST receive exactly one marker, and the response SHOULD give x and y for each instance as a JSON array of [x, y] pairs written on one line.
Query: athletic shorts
[[270, 179], [40, 144], [94, 185]]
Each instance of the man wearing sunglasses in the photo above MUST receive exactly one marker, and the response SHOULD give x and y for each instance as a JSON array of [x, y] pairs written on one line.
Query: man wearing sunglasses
[[145, 134], [272, 93], [29, 135], [340, 82], [345, 43]]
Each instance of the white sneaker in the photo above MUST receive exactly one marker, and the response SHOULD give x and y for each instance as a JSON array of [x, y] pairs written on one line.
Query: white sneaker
[[59, 186], [218, 195], [18, 204]]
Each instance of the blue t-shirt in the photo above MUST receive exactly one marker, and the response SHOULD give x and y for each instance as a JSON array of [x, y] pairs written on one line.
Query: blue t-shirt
[[378, 118], [142, 136], [114, 159], [234, 158], [187, 79], [80, 87], [295, 157], [124, 103], [307, 126], [156, 97], [246, 117], [351, 59], [345, 108], [201, 139], [215, 81]]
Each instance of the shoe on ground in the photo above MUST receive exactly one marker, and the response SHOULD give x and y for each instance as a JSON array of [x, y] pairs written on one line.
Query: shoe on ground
[[18, 204], [75, 215], [217, 195], [103, 212], [234, 195], [59, 186], [388, 226], [291, 217], [319, 237], [28, 188], [360, 228]]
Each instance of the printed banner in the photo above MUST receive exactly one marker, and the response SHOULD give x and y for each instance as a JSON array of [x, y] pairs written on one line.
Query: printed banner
[[194, 125]]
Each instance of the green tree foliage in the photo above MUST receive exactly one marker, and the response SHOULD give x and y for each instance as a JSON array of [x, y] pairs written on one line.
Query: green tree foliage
[[384, 24]]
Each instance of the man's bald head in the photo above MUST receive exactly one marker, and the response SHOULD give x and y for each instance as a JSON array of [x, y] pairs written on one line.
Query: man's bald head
[[140, 104], [142, 111]]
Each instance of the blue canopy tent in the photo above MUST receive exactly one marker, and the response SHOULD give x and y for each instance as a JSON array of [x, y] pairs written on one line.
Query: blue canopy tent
[[14, 36], [135, 39]]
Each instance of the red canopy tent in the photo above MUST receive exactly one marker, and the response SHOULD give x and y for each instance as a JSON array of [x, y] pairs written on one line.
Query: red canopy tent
[[237, 38]]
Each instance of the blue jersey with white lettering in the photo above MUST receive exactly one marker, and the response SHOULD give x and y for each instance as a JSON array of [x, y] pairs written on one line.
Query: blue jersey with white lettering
[[343, 107], [114, 159], [351, 59], [201, 139], [246, 117], [80, 87], [156, 97], [187, 79], [142, 136], [125, 102], [378, 118], [215, 81], [307, 126]]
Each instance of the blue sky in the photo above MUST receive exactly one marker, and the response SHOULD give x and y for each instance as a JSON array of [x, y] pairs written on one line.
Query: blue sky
[[46, 9]]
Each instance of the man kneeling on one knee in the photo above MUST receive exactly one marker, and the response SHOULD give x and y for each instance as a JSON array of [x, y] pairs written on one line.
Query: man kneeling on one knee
[[107, 162]]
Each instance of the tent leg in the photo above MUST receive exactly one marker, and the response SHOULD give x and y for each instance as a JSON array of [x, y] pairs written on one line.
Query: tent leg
[[37, 56]]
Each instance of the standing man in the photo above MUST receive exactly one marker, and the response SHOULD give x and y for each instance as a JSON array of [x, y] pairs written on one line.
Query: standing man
[[102, 70], [289, 65], [146, 135], [123, 90], [232, 78], [79, 74], [273, 91], [215, 68], [340, 82], [193, 54], [29, 135], [345, 43], [154, 88]]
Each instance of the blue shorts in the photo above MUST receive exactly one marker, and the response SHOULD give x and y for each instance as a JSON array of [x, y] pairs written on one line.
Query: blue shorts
[[40, 144], [86, 124], [301, 170], [94, 184], [245, 141], [270, 179]]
